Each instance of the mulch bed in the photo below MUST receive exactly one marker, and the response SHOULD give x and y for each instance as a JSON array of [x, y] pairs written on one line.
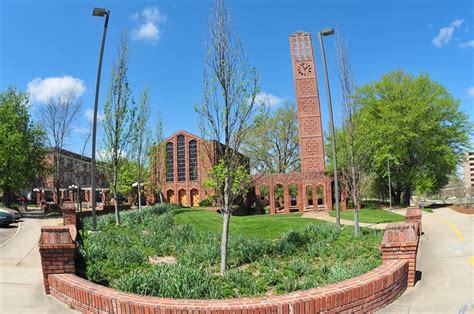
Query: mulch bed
[[463, 209]]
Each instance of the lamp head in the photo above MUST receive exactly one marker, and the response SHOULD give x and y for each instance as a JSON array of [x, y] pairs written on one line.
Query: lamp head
[[99, 12], [327, 31]]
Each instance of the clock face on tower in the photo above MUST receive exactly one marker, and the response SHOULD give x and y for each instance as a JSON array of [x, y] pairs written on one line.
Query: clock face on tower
[[304, 69]]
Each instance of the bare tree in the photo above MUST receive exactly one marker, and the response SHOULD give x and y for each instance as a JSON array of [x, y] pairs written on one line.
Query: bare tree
[[158, 154], [141, 139], [118, 119], [81, 169], [228, 110], [351, 168], [57, 118]]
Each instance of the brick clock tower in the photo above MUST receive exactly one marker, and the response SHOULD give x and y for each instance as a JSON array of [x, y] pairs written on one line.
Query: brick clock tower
[[307, 100]]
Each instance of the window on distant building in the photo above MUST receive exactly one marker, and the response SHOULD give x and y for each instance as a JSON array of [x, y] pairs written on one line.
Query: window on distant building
[[181, 159], [193, 168], [169, 162]]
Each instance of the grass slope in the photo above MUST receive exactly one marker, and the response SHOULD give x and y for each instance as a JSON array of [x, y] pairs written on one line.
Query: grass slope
[[261, 226], [370, 215]]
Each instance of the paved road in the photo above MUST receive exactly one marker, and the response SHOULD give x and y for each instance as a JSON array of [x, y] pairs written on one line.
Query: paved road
[[7, 232], [446, 260], [21, 279]]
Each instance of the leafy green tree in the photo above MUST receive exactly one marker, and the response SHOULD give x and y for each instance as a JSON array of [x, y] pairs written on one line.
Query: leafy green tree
[[217, 177], [22, 149], [418, 125], [274, 145], [141, 140], [127, 176], [118, 120], [157, 164], [229, 109]]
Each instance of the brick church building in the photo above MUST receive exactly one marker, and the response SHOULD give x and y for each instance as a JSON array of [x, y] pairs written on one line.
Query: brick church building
[[185, 163], [182, 167]]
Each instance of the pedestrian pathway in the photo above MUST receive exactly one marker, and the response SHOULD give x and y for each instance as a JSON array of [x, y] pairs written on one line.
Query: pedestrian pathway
[[445, 260], [21, 278], [324, 215]]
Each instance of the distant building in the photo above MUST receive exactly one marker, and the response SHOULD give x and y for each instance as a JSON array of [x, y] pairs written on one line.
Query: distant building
[[180, 171], [181, 168], [75, 171], [469, 172]]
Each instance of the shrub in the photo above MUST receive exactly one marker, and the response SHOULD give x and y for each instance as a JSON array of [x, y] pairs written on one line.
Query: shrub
[[316, 255], [208, 201]]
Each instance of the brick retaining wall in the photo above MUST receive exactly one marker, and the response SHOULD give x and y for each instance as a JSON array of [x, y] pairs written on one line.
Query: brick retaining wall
[[365, 293]]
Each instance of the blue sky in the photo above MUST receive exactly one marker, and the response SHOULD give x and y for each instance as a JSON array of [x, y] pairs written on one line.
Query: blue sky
[[47, 45]]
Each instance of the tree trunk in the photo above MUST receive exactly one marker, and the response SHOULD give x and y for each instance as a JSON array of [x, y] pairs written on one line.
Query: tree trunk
[[407, 196], [161, 197], [225, 226], [396, 196], [78, 197], [117, 214], [7, 197], [139, 195], [355, 200], [224, 242]]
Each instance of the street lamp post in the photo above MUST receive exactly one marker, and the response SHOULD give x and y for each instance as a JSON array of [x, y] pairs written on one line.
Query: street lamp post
[[328, 32], [106, 13]]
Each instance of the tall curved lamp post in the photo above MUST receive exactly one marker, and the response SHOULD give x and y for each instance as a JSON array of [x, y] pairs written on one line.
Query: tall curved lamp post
[[328, 32], [97, 12]]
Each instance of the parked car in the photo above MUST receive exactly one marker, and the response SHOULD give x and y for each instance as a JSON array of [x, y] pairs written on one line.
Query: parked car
[[6, 219], [16, 214]]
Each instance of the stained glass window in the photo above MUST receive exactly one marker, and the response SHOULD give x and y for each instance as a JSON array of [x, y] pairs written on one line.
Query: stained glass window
[[193, 167], [169, 162], [181, 159]]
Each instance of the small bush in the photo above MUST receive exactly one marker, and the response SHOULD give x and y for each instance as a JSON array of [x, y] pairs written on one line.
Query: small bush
[[208, 201]]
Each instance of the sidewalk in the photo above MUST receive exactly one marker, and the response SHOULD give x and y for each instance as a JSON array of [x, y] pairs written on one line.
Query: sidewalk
[[324, 215], [21, 279], [446, 262]]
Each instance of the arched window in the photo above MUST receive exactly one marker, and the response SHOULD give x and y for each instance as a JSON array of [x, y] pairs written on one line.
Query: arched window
[[169, 162], [193, 167], [181, 159]]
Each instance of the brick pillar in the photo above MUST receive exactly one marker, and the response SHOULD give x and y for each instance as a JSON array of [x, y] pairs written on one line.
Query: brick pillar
[[188, 197], [56, 247], [328, 194], [400, 241], [300, 197], [286, 198], [414, 215], [271, 197], [69, 213]]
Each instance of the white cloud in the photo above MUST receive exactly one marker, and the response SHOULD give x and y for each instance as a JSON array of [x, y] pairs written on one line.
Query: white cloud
[[467, 44], [89, 114], [269, 99], [42, 89], [446, 33], [470, 91], [149, 28]]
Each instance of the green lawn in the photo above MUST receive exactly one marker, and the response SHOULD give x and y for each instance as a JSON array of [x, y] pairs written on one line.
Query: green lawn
[[370, 215], [262, 226]]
